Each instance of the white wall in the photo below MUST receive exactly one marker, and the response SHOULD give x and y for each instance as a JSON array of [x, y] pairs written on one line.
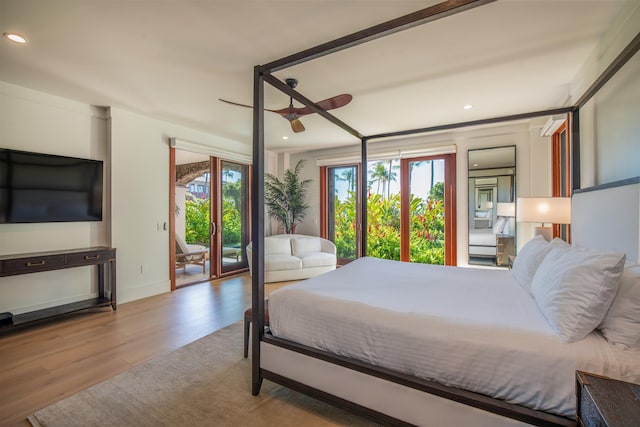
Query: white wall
[[533, 174], [617, 125], [609, 125], [33, 121], [140, 200], [135, 150]]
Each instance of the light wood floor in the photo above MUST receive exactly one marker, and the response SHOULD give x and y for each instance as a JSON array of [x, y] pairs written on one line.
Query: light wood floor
[[44, 364]]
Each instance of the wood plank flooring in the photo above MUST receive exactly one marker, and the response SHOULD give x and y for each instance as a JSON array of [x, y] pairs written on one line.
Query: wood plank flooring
[[43, 364]]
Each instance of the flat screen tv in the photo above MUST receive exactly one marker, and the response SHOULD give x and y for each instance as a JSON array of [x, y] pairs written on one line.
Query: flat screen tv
[[38, 187]]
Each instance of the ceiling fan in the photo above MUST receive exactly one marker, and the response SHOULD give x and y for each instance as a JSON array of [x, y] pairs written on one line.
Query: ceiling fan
[[293, 114]]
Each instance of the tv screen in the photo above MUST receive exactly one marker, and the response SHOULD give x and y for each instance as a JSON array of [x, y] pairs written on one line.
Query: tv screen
[[38, 187]]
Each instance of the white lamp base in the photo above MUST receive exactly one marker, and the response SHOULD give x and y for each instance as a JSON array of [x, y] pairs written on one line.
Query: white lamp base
[[546, 232]]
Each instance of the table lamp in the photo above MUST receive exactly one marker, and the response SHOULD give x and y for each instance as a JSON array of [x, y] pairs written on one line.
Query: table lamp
[[544, 210]]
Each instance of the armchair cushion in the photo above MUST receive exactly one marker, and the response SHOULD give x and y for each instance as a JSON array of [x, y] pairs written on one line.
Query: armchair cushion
[[300, 247]]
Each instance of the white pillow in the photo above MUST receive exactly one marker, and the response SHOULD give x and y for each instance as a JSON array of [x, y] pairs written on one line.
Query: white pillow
[[559, 243], [499, 225], [621, 324], [574, 288], [277, 246], [528, 260], [303, 246], [509, 227]]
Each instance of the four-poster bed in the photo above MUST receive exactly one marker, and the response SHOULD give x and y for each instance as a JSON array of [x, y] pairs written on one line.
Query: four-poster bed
[[387, 395]]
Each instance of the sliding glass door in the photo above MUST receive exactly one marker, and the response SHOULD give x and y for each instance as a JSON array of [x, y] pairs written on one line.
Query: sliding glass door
[[426, 207], [234, 218], [410, 209], [343, 210], [210, 202], [383, 209]]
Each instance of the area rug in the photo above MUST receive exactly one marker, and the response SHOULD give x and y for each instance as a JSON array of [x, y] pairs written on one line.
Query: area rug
[[206, 383]]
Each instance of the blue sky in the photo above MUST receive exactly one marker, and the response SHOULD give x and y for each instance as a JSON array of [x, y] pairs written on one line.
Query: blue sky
[[420, 179]]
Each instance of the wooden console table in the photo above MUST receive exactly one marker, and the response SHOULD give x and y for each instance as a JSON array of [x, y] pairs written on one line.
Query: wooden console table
[[12, 265]]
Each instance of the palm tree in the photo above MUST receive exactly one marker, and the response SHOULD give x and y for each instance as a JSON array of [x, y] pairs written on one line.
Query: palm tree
[[391, 176], [349, 175], [383, 176], [285, 199], [378, 174]]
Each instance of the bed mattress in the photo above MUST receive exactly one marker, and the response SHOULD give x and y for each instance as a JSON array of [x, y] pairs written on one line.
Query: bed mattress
[[467, 328], [482, 237]]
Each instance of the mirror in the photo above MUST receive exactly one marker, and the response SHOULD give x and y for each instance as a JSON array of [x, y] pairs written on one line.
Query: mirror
[[492, 188]]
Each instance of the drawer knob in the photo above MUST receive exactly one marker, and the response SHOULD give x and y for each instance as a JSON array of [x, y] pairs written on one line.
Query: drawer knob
[[92, 257]]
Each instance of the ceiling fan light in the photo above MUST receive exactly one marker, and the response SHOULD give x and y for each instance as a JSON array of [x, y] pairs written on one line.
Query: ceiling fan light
[[16, 38]]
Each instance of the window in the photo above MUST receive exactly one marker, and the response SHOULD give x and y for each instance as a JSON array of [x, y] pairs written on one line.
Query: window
[[410, 209]]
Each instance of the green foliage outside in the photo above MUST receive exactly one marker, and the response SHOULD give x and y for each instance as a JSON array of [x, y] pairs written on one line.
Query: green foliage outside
[[437, 191], [197, 217], [426, 243], [383, 230], [196, 213], [232, 235]]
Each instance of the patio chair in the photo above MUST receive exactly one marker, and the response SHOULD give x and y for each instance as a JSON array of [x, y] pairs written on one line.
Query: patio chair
[[190, 254]]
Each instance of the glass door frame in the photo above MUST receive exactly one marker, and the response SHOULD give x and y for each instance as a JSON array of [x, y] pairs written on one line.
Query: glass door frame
[[242, 264], [324, 206], [450, 227]]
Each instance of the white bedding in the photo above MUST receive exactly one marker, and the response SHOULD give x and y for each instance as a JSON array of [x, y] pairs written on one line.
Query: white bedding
[[482, 237], [474, 329]]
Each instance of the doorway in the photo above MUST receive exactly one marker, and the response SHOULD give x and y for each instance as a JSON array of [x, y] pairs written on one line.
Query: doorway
[[210, 217]]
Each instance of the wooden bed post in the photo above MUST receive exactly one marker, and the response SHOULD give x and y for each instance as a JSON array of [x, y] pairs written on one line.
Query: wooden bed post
[[575, 149], [257, 230], [363, 198]]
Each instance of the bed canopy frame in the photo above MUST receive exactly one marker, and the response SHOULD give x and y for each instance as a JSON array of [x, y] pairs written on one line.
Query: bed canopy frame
[[262, 74]]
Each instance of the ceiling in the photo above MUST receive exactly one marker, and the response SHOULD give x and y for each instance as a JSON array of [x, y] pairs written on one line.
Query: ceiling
[[174, 59]]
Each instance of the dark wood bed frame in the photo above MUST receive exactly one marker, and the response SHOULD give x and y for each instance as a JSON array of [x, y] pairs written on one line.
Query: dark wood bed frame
[[262, 74]]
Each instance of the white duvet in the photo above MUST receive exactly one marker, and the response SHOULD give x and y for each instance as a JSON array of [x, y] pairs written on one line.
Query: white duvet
[[473, 329]]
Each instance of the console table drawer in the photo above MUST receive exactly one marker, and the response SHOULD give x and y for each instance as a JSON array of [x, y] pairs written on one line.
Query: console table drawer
[[41, 263], [103, 257], [88, 258]]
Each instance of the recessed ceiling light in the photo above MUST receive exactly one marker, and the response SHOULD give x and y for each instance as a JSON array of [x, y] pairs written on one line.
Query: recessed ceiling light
[[285, 137], [16, 38], [468, 107], [475, 165]]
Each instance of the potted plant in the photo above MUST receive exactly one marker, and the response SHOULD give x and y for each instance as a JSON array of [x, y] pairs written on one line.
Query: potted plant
[[285, 199]]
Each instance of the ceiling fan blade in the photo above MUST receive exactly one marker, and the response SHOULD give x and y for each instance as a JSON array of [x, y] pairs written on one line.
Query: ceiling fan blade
[[327, 104], [245, 105], [297, 126], [335, 101]]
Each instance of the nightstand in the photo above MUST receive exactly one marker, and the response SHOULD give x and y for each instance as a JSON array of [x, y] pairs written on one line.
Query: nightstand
[[605, 402], [505, 246]]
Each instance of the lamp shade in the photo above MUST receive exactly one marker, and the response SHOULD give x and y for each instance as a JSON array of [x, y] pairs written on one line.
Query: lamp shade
[[552, 210], [506, 209]]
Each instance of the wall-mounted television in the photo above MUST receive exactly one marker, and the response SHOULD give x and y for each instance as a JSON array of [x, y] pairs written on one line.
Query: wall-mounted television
[[38, 187]]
